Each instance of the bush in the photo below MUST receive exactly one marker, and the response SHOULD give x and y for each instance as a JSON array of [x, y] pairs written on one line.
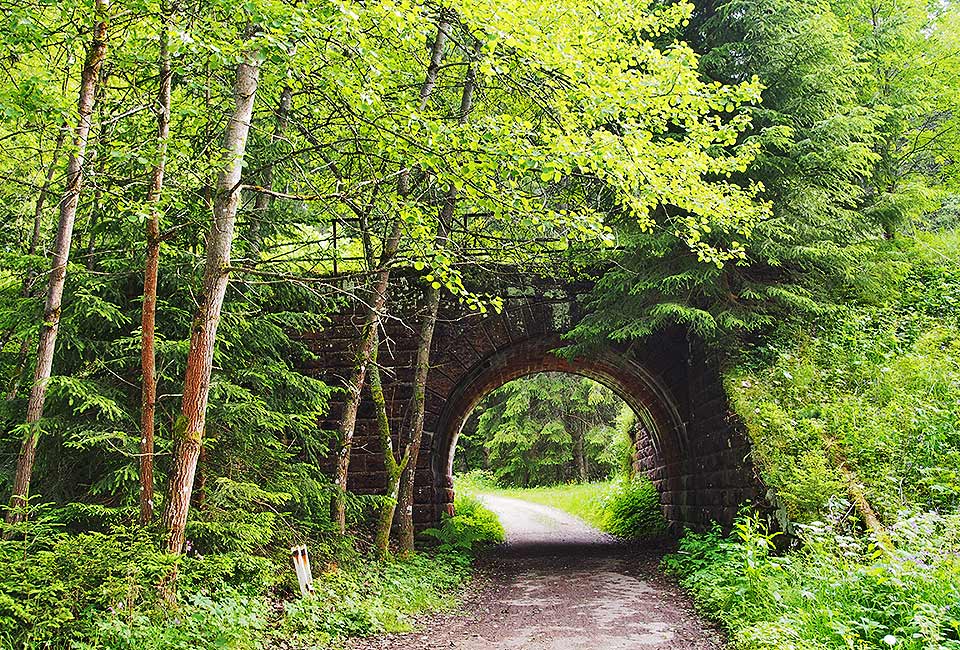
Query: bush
[[834, 590], [472, 525], [57, 592], [632, 509]]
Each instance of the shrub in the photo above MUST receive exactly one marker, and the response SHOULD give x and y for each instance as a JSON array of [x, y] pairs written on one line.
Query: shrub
[[632, 509], [55, 593], [472, 525], [834, 590]]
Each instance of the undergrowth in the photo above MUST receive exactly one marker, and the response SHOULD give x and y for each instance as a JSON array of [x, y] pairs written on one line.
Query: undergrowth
[[834, 589], [863, 401], [100, 589]]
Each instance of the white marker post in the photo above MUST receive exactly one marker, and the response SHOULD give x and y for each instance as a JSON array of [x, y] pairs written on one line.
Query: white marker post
[[301, 564]]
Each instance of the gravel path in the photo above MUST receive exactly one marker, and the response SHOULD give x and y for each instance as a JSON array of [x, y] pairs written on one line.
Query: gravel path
[[560, 584]]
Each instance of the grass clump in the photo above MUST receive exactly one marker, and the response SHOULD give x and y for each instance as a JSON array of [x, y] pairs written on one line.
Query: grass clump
[[471, 526], [631, 509]]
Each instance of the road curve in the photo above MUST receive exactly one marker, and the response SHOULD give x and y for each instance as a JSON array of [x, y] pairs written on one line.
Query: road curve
[[560, 584]]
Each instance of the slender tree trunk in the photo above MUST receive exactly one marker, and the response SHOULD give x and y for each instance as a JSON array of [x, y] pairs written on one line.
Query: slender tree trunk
[[90, 252], [368, 342], [414, 434], [393, 466], [430, 80], [148, 355], [579, 453], [30, 279], [196, 386], [58, 272], [261, 207], [348, 419]]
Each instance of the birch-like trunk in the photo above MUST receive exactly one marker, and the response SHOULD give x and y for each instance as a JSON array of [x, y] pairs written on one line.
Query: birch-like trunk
[[189, 428], [46, 346], [414, 434], [148, 355]]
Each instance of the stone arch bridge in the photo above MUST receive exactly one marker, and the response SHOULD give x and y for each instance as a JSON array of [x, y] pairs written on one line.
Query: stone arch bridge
[[689, 443]]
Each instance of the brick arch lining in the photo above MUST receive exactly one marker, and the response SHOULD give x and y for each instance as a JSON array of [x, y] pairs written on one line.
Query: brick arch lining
[[665, 436]]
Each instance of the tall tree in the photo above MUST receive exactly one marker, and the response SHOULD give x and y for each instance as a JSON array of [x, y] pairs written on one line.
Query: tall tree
[[219, 242], [413, 435], [96, 54], [148, 355]]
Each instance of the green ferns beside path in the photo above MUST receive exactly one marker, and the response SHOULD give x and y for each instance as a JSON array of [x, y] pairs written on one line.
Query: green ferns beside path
[[877, 388]]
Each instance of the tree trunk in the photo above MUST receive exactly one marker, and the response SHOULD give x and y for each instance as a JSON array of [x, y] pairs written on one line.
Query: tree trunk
[[148, 356], [429, 80], [368, 341], [261, 206], [90, 252], [579, 452], [30, 279], [348, 420], [394, 467], [58, 272], [414, 434], [196, 386]]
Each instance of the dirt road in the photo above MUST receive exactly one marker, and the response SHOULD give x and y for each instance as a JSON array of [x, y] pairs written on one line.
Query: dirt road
[[559, 584]]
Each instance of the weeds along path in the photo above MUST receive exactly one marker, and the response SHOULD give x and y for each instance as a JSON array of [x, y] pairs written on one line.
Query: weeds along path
[[560, 584]]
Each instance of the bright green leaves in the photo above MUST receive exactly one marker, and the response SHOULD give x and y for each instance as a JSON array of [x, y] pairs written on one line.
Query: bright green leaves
[[637, 118]]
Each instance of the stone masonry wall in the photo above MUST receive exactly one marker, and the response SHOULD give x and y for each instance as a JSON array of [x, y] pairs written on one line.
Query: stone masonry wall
[[692, 446]]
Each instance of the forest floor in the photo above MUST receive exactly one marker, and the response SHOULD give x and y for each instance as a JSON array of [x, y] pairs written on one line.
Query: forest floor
[[560, 584]]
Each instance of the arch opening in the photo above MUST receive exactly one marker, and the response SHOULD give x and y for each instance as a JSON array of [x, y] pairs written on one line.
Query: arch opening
[[546, 429], [658, 447]]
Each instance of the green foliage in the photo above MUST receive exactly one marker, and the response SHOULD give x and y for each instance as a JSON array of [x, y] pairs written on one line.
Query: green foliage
[[101, 590], [375, 597], [853, 139], [837, 590], [228, 620], [545, 429], [59, 589], [632, 509], [471, 525], [876, 388]]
